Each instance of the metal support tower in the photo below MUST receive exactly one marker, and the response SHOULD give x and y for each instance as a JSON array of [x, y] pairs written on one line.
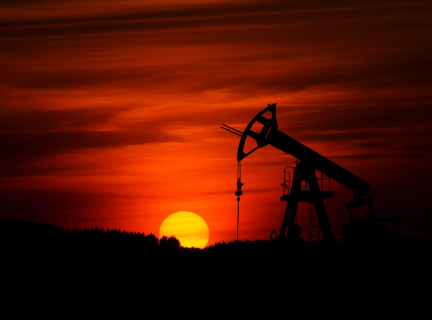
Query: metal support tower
[[312, 194]]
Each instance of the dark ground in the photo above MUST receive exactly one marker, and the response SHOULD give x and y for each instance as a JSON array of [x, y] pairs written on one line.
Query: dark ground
[[99, 262]]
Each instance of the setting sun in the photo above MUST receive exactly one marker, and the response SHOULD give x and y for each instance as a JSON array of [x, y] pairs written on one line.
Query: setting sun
[[189, 228]]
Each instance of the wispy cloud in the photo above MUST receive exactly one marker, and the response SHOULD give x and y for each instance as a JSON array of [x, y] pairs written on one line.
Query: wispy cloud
[[149, 83]]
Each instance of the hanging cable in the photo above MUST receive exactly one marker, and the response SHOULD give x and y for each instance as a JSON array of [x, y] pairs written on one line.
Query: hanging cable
[[238, 194]]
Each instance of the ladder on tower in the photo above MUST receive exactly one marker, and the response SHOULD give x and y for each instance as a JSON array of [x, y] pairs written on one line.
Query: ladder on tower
[[314, 227]]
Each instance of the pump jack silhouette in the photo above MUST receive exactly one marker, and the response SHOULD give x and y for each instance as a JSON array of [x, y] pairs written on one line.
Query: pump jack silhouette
[[309, 161]]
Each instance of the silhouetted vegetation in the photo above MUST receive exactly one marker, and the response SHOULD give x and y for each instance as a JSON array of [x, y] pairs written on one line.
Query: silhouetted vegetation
[[116, 252], [169, 242], [31, 237]]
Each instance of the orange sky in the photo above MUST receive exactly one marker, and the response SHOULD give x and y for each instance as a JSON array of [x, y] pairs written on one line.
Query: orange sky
[[110, 110]]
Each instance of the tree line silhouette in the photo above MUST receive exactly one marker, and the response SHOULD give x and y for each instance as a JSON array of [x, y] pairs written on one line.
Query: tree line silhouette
[[29, 237], [20, 238]]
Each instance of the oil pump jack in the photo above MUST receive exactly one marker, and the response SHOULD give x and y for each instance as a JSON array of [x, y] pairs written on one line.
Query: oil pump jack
[[308, 162]]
